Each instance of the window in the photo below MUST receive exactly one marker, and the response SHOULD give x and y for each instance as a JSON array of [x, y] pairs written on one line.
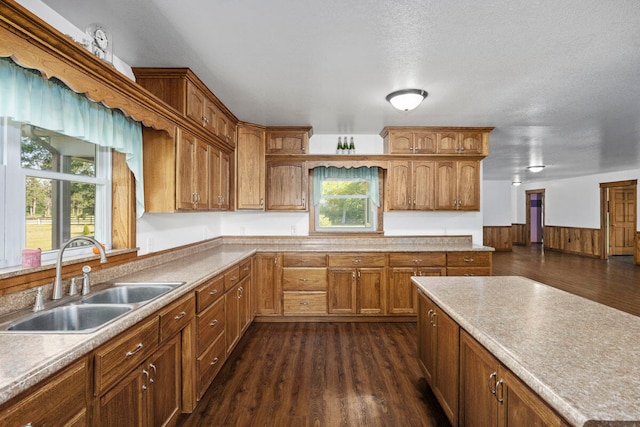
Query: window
[[56, 187], [345, 200]]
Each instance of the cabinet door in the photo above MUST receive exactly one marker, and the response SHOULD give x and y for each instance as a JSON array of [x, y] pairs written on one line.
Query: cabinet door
[[185, 152], [423, 183], [401, 143], [471, 143], [244, 304], [268, 284], [398, 194], [219, 184], [447, 357], [232, 317], [402, 292], [251, 162], [342, 291], [209, 116], [289, 142], [468, 185], [478, 379], [370, 283], [124, 404], [446, 185], [201, 176], [195, 103], [286, 186], [425, 143], [426, 339], [164, 385], [448, 143]]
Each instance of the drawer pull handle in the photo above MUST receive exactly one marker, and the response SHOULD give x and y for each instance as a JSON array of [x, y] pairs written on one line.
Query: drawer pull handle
[[417, 261], [246, 268], [214, 361], [304, 260], [491, 383], [213, 292], [468, 260], [468, 274], [135, 350], [304, 280], [233, 278], [304, 303], [181, 315], [146, 374], [214, 323], [356, 261]]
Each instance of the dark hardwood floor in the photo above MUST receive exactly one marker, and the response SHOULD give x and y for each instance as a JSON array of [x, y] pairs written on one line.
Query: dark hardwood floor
[[367, 374]]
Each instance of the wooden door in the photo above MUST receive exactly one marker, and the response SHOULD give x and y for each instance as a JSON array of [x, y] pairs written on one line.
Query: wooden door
[[423, 183], [185, 163], [369, 288], [468, 185], [622, 216], [402, 291], [448, 352], [398, 195], [448, 143], [401, 143], [124, 404], [201, 175], [250, 160], [342, 291], [268, 284], [425, 143], [165, 391], [446, 185], [520, 406], [232, 317], [478, 379], [286, 186]]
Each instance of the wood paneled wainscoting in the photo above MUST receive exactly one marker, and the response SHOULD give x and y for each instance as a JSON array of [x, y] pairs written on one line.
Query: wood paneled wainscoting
[[498, 237], [574, 240], [519, 234]]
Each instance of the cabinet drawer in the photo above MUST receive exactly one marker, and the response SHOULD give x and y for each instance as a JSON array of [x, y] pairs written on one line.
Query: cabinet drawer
[[298, 303], [114, 359], [209, 364], [468, 271], [209, 292], [210, 325], [245, 268], [358, 260], [55, 403], [304, 260], [231, 277], [418, 259], [176, 317], [469, 259], [304, 279]]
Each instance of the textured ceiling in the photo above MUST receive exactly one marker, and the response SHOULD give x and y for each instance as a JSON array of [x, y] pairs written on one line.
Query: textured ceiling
[[559, 80]]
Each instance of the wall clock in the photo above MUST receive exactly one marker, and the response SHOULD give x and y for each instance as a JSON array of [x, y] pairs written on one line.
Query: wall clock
[[100, 42]]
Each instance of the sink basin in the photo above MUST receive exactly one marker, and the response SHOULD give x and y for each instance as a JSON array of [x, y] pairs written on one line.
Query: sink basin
[[70, 318], [130, 293]]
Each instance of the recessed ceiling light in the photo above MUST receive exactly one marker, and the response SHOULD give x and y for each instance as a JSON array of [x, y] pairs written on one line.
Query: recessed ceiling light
[[516, 183], [535, 169], [406, 99]]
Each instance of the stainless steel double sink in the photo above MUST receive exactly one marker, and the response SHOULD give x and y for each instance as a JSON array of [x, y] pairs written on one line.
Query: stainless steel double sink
[[92, 311]]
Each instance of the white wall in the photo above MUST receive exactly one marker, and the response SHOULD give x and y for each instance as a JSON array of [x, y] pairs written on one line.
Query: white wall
[[497, 203], [572, 202], [156, 232]]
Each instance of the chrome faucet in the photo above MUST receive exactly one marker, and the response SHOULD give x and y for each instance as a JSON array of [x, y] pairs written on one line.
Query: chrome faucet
[[57, 284]]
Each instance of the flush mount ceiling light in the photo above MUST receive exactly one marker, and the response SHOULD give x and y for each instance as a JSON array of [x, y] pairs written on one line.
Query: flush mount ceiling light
[[516, 183], [406, 99], [535, 169]]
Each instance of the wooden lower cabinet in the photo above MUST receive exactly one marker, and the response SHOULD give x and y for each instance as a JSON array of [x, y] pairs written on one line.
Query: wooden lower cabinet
[[490, 395], [356, 290], [268, 287], [148, 396], [438, 354], [469, 263], [60, 401]]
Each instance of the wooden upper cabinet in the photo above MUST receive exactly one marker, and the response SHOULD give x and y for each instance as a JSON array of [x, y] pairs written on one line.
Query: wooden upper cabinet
[[458, 185], [250, 158], [184, 91], [287, 140], [286, 185], [411, 185], [219, 173], [192, 171], [436, 141]]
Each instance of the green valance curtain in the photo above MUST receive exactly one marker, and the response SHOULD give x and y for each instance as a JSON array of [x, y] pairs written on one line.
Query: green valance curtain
[[364, 173], [27, 97]]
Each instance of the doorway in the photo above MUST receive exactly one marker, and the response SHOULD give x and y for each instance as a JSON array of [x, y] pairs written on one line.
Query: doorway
[[618, 217], [535, 217]]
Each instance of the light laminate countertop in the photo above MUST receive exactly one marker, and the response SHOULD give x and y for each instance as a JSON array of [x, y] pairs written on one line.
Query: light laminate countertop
[[581, 357]]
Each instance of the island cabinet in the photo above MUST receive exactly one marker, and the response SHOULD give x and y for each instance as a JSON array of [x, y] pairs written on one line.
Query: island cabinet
[[357, 283], [250, 166], [410, 185], [183, 90], [60, 400], [304, 283], [490, 395], [438, 355], [268, 283], [402, 266], [457, 185], [286, 185], [469, 263], [288, 140]]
